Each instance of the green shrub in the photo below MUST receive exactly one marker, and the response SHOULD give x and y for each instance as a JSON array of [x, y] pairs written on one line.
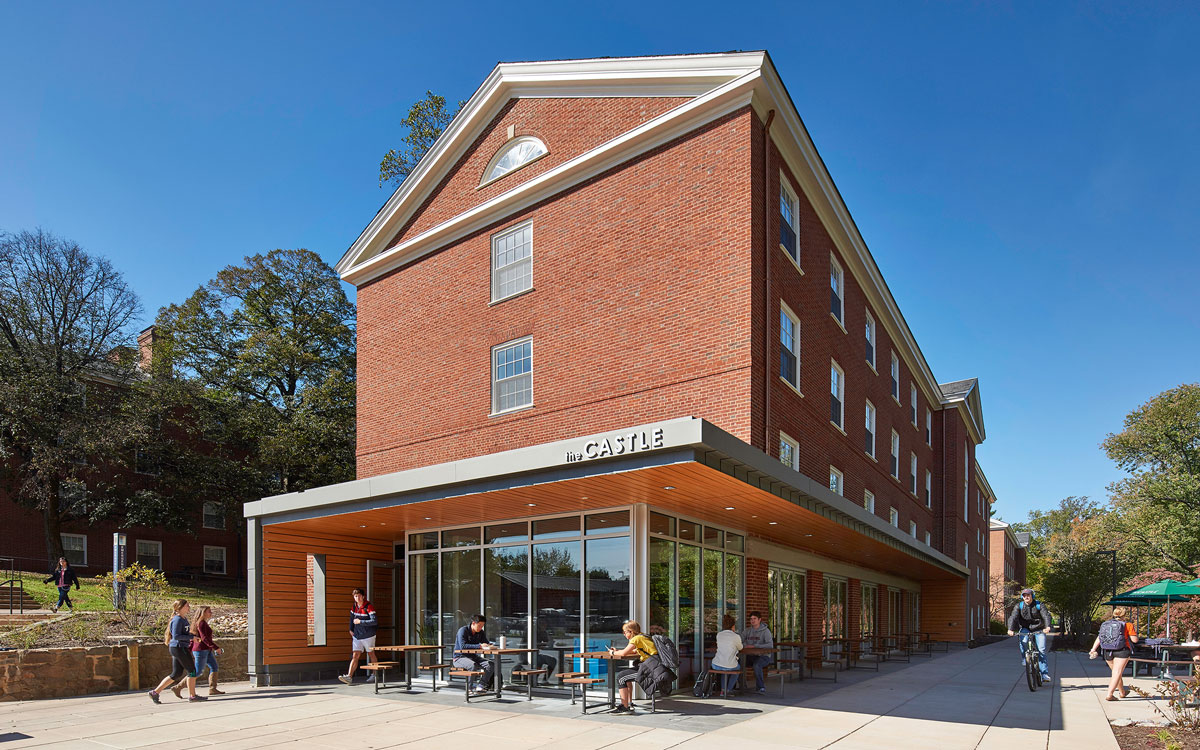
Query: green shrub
[[145, 589]]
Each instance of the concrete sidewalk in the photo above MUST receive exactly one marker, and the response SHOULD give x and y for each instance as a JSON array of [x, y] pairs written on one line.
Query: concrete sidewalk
[[965, 699]]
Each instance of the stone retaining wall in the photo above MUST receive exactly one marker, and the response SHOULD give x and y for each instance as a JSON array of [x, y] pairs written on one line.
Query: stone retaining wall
[[62, 672]]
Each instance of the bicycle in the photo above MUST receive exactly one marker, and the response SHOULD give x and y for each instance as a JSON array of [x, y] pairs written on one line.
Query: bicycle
[[1033, 665]]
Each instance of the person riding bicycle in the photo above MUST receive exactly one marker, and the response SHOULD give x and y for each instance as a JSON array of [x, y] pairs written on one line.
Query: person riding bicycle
[[1031, 615]]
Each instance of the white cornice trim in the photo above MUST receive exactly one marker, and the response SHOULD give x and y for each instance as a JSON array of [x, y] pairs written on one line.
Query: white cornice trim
[[648, 136]]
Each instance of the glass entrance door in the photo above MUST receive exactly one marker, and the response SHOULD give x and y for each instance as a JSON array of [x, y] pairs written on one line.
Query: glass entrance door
[[383, 586], [786, 591]]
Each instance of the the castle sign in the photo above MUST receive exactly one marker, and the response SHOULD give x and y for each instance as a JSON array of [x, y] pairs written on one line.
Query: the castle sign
[[618, 445]]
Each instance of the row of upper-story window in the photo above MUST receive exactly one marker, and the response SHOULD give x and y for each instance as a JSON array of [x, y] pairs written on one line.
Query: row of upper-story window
[[147, 552]]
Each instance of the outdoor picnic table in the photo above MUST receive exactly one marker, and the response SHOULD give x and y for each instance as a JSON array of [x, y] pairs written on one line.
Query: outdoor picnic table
[[1164, 652], [612, 672], [406, 650], [496, 653]]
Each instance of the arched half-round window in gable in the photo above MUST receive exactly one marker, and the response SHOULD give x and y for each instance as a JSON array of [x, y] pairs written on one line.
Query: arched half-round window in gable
[[512, 156]]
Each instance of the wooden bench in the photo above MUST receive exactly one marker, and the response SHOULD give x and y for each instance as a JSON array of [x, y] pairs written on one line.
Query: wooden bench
[[530, 676], [583, 683], [380, 669], [1152, 662], [433, 670], [725, 674], [468, 676]]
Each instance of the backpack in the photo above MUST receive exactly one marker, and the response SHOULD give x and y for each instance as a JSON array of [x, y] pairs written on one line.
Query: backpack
[[704, 685], [668, 654], [1112, 635]]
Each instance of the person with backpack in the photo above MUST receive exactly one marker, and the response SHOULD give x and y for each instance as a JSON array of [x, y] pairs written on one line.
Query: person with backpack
[[1115, 640], [364, 625], [656, 657], [63, 575], [1031, 615]]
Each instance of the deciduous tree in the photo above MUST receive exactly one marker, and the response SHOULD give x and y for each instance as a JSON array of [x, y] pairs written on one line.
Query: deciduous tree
[[425, 122]]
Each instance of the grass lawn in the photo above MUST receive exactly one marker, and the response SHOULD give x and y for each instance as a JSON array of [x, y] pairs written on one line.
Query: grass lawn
[[92, 597]]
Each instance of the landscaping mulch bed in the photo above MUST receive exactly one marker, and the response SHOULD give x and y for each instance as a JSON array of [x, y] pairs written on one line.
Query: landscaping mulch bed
[[92, 629], [1146, 738]]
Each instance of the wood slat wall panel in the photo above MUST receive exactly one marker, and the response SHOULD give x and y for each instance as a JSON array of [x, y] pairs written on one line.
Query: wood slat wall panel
[[943, 603], [285, 636]]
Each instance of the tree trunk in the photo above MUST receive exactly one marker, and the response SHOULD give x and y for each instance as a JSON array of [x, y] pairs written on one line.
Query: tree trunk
[[53, 525]]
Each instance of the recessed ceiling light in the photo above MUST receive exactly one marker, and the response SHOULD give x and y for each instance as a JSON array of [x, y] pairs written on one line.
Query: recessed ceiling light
[[754, 516], [808, 535], [585, 497], [668, 487], [772, 523], [428, 518], [728, 507], [532, 505], [362, 526]]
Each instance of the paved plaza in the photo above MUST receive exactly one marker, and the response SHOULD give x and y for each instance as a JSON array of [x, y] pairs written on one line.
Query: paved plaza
[[962, 699]]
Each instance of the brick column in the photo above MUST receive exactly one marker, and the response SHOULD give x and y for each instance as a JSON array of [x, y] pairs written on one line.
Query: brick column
[[815, 609], [854, 607], [757, 596]]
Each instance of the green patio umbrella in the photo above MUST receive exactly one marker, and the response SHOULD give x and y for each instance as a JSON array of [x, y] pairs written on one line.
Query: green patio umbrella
[[1165, 592]]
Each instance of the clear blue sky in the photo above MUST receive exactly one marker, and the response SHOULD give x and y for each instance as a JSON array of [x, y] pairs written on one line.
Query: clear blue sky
[[1026, 178]]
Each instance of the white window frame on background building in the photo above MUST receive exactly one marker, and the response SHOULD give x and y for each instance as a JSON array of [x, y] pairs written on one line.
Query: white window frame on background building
[[496, 380], [786, 440], [790, 341], [912, 470], [837, 390], [928, 488], [895, 455], [871, 436], [138, 554], [213, 510], [789, 203], [966, 553], [224, 560], [64, 536], [837, 291], [912, 399], [895, 373], [929, 428], [928, 538], [516, 242], [871, 350], [869, 500], [527, 150], [894, 517], [837, 481], [912, 529], [966, 483]]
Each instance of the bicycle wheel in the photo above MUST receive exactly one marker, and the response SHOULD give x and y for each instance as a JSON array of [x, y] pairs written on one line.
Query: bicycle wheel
[[1031, 669], [1037, 669]]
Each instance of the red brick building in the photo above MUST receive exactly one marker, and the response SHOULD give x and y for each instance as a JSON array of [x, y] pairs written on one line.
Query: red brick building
[[1009, 557], [624, 299], [213, 547]]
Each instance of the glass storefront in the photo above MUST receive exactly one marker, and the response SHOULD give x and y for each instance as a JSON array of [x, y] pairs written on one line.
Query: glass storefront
[[868, 613], [786, 590], [836, 612]]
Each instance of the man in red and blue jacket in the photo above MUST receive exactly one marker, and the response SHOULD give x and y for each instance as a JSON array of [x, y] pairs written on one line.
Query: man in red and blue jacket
[[364, 623]]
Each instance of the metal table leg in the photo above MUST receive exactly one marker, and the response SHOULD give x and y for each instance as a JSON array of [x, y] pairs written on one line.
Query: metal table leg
[[496, 675]]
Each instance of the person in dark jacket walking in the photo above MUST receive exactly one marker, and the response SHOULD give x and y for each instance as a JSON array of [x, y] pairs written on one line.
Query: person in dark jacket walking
[[364, 624], [1031, 615], [651, 673], [63, 576]]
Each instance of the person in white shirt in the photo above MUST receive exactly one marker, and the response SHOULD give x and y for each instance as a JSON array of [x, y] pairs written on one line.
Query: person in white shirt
[[729, 644]]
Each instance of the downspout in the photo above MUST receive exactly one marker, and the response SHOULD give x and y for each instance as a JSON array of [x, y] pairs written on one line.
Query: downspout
[[767, 283]]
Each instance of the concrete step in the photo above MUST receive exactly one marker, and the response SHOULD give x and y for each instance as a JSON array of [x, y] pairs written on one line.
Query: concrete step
[[26, 618]]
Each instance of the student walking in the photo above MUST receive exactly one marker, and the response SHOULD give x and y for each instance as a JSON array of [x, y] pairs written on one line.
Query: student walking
[[179, 641], [364, 624], [204, 650], [1115, 640], [63, 575]]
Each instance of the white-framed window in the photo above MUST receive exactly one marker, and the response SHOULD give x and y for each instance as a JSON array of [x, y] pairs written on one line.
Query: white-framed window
[[789, 220], [870, 336], [789, 346], [145, 462], [895, 371], [894, 517], [912, 400], [869, 500], [214, 560], [149, 553], [869, 440], [789, 451], [966, 482], [928, 488], [837, 291], [512, 261], [836, 479], [512, 156], [837, 395], [929, 428], [214, 515], [895, 467], [928, 538], [966, 552], [512, 376], [912, 473], [75, 548], [912, 529]]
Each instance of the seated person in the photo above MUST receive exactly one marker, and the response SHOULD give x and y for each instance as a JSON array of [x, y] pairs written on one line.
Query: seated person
[[472, 636], [651, 674], [729, 643], [758, 635]]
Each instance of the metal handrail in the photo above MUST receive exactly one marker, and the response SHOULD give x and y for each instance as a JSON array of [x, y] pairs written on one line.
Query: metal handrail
[[8, 565]]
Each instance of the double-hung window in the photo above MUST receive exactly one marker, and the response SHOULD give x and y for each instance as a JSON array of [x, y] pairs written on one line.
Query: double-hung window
[[912, 529], [869, 446], [789, 346], [837, 291], [912, 401], [789, 451], [928, 488], [912, 473], [929, 428], [895, 377], [214, 516], [869, 500], [149, 554], [512, 376], [789, 220], [214, 560], [835, 481], [512, 261], [837, 395], [74, 548], [895, 467], [894, 517], [870, 336], [928, 538]]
